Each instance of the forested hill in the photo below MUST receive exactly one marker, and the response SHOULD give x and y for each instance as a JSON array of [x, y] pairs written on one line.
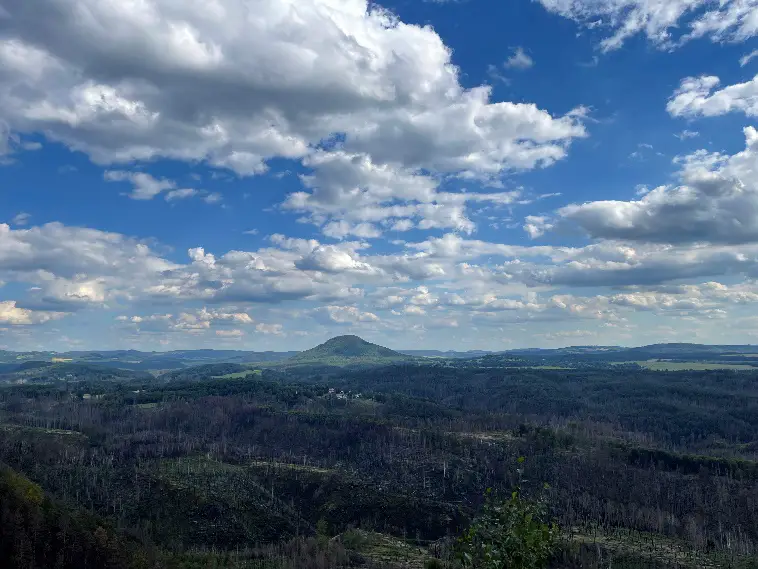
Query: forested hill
[[348, 350]]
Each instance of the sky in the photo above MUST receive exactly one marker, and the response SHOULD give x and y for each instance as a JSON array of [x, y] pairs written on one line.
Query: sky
[[470, 174]]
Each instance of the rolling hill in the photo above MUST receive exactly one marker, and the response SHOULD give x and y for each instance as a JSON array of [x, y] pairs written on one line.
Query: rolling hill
[[51, 372], [346, 351]]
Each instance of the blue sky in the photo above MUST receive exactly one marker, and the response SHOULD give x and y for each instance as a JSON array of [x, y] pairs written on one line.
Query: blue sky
[[452, 175]]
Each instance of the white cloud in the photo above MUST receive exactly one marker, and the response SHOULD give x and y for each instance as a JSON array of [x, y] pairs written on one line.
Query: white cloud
[[234, 83], [11, 314], [727, 20], [193, 322], [715, 202], [143, 319], [437, 281], [402, 225], [346, 314], [270, 329], [341, 229], [686, 134], [519, 60], [466, 282], [537, 225], [696, 96], [21, 219], [355, 193], [230, 333], [180, 194], [213, 315], [145, 187], [414, 310], [748, 57], [70, 265]]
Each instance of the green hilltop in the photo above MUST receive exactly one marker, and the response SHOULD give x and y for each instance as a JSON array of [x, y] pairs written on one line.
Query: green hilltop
[[348, 350]]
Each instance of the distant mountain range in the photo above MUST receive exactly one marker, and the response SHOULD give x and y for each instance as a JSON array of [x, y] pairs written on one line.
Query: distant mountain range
[[446, 354], [344, 351], [659, 349], [144, 361]]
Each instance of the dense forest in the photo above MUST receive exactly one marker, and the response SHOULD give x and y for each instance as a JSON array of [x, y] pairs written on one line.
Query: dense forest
[[382, 466]]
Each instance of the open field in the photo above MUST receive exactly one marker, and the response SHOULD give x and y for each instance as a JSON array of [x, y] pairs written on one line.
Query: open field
[[657, 365], [239, 374]]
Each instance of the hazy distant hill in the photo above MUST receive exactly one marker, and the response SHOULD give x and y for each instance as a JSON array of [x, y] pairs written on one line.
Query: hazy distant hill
[[352, 350], [50, 372], [653, 350], [348, 350], [445, 354], [142, 361]]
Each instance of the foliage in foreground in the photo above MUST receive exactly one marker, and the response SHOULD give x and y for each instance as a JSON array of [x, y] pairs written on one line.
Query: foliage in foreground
[[513, 534]]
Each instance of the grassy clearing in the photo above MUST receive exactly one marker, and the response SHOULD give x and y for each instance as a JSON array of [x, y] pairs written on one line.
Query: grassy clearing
[[492, 436], [649, 547], [41, 431], [239, 374], [382, 548], [290, 466], [657, 365]]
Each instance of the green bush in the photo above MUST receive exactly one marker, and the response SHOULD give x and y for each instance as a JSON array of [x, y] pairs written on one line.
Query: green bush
[[512, 534]]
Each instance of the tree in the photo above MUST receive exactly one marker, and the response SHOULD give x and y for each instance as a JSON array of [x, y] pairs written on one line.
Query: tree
[[512, 534]]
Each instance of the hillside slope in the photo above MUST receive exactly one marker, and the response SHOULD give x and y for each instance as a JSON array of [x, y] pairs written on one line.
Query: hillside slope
[[348, 350]]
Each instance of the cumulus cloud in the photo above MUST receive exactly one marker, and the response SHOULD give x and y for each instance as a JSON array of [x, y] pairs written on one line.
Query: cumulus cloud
[[438, 280], [345, 315], [519, 60], [697, 96], [193, 322], [234, 83], [716, 201], [607, 263], [146, 187], [230, 333], [727, 20], [333, 259], [356, 194], [706, 299], [270, 329], [74, 265], [13, 315], [537, 225]]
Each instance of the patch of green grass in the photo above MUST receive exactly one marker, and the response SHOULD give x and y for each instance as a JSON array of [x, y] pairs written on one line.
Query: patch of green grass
[[21, 429], [643, 546], [290, 466], [657, 365], [239, 374], [491, 436], [385, 549]]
